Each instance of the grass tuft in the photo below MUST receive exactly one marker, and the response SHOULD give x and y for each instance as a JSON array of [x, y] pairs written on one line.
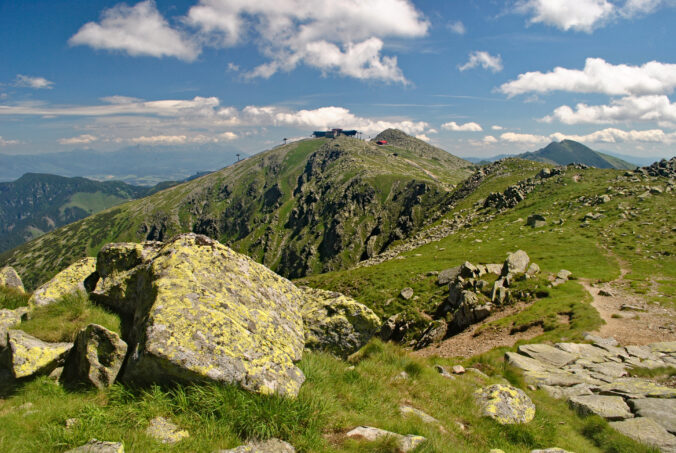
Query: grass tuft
[[12, 299]]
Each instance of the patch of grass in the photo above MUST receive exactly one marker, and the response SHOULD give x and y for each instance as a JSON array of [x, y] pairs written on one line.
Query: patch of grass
[[660, 374], [606, 438], [62, 320], [11, 298]]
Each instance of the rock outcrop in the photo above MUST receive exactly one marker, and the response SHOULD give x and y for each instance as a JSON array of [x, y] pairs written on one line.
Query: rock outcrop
[[29, 356], [69, 281], [96, 358], [505, 404], [10, 279], [202, 312], [405, 443], [336, 323], [8, 320]]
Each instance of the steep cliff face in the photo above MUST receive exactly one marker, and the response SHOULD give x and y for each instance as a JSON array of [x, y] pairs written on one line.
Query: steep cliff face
[[303, 208]]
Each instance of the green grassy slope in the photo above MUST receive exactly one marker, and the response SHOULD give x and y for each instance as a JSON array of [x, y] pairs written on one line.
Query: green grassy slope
[[302, 208], [569, 151]]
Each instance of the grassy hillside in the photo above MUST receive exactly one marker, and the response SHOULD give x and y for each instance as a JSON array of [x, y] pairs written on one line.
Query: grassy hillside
[[568, 152], [303, 208]]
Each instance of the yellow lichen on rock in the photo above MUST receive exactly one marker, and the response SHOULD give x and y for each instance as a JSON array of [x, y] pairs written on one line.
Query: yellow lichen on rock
[[30, 356], [69, 281], [505, 404], [10, 279]]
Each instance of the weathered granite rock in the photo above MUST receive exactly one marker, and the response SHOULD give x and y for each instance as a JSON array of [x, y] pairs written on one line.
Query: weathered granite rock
[[494, 269], [165, 431], [406, 293], [647, 431], [608, 407], [663, 411], [536, 220], [443, 371], [567, 392], [505, 404], [336, 323], [267, 446], [448, 275], [516, 263], [206, 313], [96, 358], [99, 446], [470, 311], [408, 410], [533, 269], [524, 363], [434, 333], [405, 443], [8, 320], [29, 356], [68, 281], [637, 388], [10, 279], [666, 347], [547, 354], [584, 351]]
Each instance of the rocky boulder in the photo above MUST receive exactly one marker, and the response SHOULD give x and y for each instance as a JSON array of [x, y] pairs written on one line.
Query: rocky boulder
[[99, 446], [10, 279], [69, 281], [267, 446], [96, 358], [516, 263], [470, 311], [404, 443], [336, 323], [202, 312], [8, 320], [448, 275], [29, 356], [505, 404]]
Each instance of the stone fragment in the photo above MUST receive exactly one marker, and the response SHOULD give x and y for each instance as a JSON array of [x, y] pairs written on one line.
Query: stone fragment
[[405, 443], [434, 333], [8, 320], [637, 388], [666, 347], [584, 351], [268, 446], [567, 392], [69, 281], [610, 369], [336, 323], [533, 269], [524, 363], [536, 220], [494, 269], [99, 446], [448, 275], [608, 407], [663, 411], [96, 358], [206, 313], [547, 354], [443, 371], [516, 263], [406, 293], [408, 410], [165, 431], [458, 369], [555, 378], [505, 404], [606, 293], [647, 431], [10, 279], [29, 356], [564, 274]]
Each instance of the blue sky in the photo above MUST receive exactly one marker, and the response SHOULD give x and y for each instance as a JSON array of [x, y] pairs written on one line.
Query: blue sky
[[477, 78]]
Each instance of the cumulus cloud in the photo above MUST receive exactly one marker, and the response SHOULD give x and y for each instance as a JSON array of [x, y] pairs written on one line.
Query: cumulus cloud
[[495, 127], [79, 140], [423, 137], [612, 135], [457, 27], [631, 108], [483, 59], [38, 83], [527, 139], [137, 30], [467, 127], [4, 142], [598, 76], [342, 36], [490, 140], [578, 15]]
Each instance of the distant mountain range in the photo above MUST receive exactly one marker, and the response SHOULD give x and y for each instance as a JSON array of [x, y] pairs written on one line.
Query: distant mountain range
[[568, 151], [138, 165]]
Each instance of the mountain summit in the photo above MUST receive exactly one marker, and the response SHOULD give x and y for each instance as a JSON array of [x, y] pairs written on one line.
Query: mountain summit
[[568, 151]]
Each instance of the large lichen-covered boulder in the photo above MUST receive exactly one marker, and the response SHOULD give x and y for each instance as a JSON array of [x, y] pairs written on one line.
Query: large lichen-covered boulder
[[516, 263], [29, 356], [336, 323], [505, 404], [9, 319], [203, 312], [10, 279], [117, 271], [96, 358], [68, 281]]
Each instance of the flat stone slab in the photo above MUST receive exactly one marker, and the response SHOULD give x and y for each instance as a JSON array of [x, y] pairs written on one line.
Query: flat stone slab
[[663, 411], [637, 388], [164, 431], [667, 347], [610, 369], [408, 410], [647, 431], [524, 363], [547, 354], [556, 378], [584, 351], [608, 407], [268, 446], [406, 443], [566, 392], [99, 446]]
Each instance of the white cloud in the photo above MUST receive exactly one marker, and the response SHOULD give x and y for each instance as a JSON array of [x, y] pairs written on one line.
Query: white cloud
[[343, 36], [432, 131], [578, 15], [483, 59], [4, 142], [457, 27], [612, 135], [598, 76], [120, 100], [490, 140], [631, 108], [526, 139], [80, 140], [137, 30], [637, 7], [33, 82], [495, 127], [467, 127], [423, 137]]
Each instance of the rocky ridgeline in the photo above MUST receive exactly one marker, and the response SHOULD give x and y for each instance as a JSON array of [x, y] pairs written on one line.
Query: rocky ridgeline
[[192, 310], [666, 168], [594, 378], [513, 195]]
